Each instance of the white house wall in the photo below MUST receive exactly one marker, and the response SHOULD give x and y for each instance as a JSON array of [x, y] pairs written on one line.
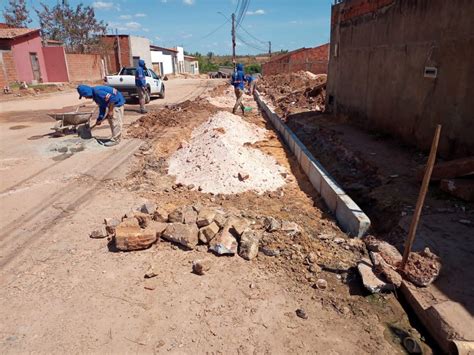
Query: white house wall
[[140, 47], [166, 59]]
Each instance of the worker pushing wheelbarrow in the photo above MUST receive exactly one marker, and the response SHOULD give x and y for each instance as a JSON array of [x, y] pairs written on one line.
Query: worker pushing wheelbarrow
[[111, 106]]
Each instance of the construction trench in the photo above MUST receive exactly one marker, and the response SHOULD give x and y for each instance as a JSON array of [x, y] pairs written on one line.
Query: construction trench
[[234, 245]]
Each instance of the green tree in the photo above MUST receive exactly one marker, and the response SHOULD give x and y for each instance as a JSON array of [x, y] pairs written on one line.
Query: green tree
[[76, 27], [16, 14]]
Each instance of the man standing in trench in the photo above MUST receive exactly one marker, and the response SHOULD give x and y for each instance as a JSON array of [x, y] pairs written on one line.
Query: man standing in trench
[[140, 83], [238, 81], [111, 106]]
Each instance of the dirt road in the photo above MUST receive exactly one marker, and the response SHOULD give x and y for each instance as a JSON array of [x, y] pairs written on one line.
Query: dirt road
[[65, 292]]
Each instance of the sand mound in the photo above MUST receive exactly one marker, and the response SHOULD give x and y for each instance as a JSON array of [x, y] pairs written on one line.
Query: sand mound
[[218, 159]]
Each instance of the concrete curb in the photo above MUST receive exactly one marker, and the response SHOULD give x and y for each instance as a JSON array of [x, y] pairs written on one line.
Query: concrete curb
[[349, 216]]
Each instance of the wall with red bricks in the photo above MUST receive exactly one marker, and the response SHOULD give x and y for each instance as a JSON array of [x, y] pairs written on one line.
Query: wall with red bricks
[[314, 60], [84, 67], [8, 73], [111, 52]]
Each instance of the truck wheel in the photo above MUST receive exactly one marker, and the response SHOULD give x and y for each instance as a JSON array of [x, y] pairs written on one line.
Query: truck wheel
[[162, 91], [147, 95]]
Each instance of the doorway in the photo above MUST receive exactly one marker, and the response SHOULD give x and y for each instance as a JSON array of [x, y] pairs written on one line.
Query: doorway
[[35, 66]]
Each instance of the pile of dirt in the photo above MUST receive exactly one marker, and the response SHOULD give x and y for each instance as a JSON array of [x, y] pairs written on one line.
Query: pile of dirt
[[295, 92], [151, 124], [218, 158]]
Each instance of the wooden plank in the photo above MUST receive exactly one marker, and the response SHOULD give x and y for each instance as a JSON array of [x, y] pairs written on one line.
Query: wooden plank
[[449, 169], [460, 188], [421, 197]]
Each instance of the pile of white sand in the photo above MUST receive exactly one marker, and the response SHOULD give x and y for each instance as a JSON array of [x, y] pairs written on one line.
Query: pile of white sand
[[216, 156]]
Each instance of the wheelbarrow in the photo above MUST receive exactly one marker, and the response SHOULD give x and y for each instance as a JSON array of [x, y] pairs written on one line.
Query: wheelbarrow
[[71, 121]]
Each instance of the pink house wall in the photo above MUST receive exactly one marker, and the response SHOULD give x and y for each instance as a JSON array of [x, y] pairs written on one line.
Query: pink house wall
[[21, 48], [56, 67]]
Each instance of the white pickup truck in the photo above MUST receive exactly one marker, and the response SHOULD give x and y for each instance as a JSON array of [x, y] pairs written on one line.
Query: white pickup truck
[[125, 83]]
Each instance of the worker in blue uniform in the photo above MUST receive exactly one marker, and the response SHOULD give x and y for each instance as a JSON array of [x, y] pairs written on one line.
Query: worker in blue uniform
[[111, 106], [238, 81], [140, 83], [251, 81]]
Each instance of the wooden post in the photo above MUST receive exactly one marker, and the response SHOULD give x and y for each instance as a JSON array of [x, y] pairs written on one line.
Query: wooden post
[[421, 197]]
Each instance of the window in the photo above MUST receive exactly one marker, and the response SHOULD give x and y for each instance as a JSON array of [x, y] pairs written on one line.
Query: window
[[153, 74]]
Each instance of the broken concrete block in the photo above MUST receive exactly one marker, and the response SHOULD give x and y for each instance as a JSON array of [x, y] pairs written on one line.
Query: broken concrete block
[[248, 248], [205, 217], [207, 233], [132, 237], [159, 227], [290, 227], [271, 224], [189, 215], [224, 242], [184, 234], [143, 219], [176, 216], [220, 219], [160, 215], [388, 252], [99, 233], [148, 208], [383, 268], [371, 281], [200, 267], [240, 225], [111, 224]]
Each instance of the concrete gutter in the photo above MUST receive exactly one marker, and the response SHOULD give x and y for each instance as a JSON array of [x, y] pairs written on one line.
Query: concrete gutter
[[349, 216]]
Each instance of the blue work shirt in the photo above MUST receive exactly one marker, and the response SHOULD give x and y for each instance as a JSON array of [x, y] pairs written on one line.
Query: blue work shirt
[[140, 80], [103, 96], [238, 79]]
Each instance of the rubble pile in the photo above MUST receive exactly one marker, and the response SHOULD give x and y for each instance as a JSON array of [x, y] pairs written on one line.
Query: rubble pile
[[382, 272], [295, 92], [221, 232], [218, 158], [151, 125]]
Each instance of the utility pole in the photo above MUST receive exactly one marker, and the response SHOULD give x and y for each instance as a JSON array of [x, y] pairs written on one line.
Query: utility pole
[[270, 48], [233, 39], [118, 49]]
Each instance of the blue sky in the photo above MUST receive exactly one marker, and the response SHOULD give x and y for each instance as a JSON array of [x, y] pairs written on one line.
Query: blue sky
[[288, 24]]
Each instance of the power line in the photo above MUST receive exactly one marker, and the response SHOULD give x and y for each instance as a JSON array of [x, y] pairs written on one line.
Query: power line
[[250, 44], [251, 35]]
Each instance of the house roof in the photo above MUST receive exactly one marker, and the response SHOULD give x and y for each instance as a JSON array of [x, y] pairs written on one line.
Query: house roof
[[11, 33], [153, 47], [189, 57]]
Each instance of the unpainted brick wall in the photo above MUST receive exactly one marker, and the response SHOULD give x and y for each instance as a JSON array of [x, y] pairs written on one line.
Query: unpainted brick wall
[[314, 60], [111, 48], [8, 73], [84, 67], [355, 8]]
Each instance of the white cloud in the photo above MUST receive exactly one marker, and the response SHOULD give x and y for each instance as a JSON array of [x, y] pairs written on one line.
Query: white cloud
[[140, 15], [102, 5], [164, 1], [158, 38], [133, 25], [186, 35], [145, 30], [188, 2], [256, 12], [125, 17]]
